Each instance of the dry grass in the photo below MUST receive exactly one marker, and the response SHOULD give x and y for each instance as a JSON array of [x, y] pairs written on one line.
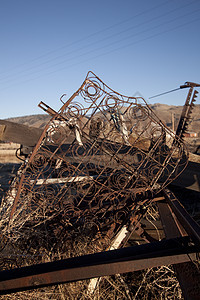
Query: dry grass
[[24, 244]]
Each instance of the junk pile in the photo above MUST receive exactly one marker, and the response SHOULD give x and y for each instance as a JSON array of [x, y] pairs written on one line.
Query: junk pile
[[100, 164]]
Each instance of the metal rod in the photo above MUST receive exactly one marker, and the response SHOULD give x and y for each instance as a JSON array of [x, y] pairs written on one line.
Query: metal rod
[[164, 93], [99, 264]]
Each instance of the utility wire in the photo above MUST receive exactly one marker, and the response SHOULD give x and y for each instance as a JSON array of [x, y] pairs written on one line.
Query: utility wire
[[116, 42], [164, 93], [107, 38], [108, 52], [93, 34], [91, 44]]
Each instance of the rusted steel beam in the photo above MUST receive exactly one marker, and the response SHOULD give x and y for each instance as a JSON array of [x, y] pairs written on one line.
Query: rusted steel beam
[[187, 273], [189, 279], [98, 264], [18, 133], [189, 224], [190, 178], [172, 228]]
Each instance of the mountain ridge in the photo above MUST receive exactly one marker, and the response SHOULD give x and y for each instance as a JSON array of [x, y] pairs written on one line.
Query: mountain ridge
[[163, 111]]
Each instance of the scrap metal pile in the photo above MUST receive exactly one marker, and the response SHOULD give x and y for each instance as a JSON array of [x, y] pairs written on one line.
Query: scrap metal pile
[[101, 161]]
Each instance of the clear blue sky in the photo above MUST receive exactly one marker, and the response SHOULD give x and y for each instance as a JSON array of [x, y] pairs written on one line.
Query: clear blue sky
[[47, 47]]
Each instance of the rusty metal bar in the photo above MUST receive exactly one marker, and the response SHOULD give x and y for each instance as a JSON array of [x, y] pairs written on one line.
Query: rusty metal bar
[[172, 228], [187, 273], [47, 108], [189, 224], [98, 264]]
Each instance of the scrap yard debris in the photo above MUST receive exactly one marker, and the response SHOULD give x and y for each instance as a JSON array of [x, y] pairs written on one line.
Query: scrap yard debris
[[101, 164]]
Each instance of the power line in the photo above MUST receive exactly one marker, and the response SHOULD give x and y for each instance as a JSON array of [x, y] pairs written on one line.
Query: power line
[[111, 51], [93, 34], [106, 38], [116, 42], [164, 93]]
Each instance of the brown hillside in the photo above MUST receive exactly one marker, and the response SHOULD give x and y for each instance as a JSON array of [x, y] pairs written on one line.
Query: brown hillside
[[38, 121]]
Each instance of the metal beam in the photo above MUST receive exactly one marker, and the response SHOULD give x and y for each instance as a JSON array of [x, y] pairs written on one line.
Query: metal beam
[[99, 264], [187, 273], [189, 224]]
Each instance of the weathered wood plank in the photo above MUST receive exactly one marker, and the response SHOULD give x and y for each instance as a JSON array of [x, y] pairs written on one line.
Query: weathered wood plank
[[19, 133]]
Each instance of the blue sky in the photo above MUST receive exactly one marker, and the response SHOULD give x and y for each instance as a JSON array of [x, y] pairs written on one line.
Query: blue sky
[[47, 47]]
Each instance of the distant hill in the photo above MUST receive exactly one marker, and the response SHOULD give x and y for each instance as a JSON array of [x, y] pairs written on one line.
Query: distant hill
[[38, 121], [163, 111]]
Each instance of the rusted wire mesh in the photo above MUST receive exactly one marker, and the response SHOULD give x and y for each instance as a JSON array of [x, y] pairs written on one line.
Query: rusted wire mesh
[[96, 155]]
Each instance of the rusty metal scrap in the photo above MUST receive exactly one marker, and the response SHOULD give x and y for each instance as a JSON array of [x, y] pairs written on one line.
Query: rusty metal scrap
[[99, 264], [100, 162], [97, 153], [187, 273], [185, 118], [176, 250]]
